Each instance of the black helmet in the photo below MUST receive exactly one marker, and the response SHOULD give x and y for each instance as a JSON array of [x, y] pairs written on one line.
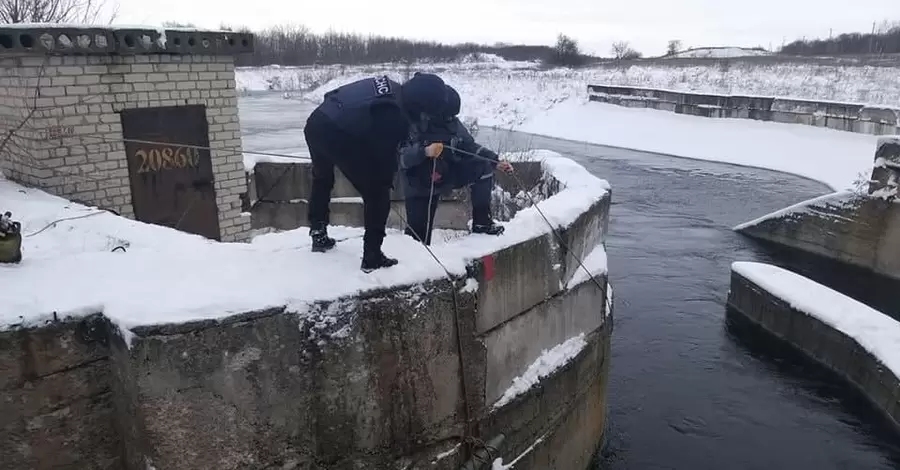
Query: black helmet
[[453, 102], [424, 93]]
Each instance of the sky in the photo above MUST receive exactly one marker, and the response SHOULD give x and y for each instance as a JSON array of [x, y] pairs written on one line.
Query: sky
[[596, 24]]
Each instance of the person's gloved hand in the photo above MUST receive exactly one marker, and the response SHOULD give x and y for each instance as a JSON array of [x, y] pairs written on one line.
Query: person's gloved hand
[[504, 166], [434, 150]]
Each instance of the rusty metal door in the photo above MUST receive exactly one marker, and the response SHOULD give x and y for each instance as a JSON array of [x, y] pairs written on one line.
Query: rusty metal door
[[170, 168]]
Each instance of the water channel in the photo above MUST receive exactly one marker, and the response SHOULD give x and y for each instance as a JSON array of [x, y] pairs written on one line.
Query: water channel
[[686, 391]]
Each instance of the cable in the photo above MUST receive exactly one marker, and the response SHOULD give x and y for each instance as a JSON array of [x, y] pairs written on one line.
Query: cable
[[53, 224], [534, 204]]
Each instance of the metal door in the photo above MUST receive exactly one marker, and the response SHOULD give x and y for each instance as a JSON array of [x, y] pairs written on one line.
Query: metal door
[[170, 168]]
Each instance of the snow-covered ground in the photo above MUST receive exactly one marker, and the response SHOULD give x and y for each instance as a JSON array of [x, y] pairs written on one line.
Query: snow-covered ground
[[878, 333], [165, 276], [555, 103], [855, 84]]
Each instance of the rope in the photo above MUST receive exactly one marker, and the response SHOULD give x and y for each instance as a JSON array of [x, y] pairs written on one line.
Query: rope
[[534, 204]]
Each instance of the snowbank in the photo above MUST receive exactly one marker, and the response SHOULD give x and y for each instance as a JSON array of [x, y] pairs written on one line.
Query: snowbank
[[876, 332], [832, 157], [167, 276]]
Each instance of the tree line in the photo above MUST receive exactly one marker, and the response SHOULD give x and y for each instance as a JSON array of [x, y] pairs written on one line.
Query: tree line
[[884, 39], [297, 45]]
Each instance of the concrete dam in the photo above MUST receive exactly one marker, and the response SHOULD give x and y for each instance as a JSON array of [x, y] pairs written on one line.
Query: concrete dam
[[506, 358]]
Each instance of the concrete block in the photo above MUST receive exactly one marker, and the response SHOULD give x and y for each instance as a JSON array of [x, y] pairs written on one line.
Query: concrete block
[[33, 353], [517, 278], [516, 344], [388, 372], [568, 408], [244, 381], [819, 342]]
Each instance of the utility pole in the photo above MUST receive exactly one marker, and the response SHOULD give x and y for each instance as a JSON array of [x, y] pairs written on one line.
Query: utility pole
[[872, 37]]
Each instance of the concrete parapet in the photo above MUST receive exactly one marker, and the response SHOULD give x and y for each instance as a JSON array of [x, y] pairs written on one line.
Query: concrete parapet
[[857, 229], [821, 341], [840, 116]]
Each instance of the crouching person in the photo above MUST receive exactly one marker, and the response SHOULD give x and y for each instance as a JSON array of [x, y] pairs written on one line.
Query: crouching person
[[358, 128], [441, 155]]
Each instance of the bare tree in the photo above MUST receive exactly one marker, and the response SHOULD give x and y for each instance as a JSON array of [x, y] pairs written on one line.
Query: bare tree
[[622, 50], [57, 11], [674, 47], [566, 52]]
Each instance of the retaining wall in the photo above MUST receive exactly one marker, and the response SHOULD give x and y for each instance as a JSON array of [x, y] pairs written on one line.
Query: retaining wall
[[858, 229], [841, 116], [819, 341], [387, 379]]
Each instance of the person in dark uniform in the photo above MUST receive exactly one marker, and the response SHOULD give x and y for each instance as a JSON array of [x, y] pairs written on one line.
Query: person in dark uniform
[[358, 128], [430, 170]]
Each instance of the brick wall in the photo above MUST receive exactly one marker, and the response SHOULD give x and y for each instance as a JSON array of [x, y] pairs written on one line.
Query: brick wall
[[72, 144]]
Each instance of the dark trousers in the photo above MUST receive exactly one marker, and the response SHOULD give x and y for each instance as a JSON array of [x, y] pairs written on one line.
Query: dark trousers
[[329, 147], [418, 212]]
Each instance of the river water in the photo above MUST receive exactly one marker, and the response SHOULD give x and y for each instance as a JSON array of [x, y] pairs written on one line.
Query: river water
[[686, 392]]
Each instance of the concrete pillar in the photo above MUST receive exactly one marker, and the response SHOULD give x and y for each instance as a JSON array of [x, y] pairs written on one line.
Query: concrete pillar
[[886, 174]]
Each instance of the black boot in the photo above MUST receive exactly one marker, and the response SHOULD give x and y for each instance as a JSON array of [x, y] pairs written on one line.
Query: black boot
[[378, 260], [321, 242], [491, 228]]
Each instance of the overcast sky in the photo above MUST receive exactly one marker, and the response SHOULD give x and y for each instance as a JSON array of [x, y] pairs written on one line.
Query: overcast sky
[[647, 24]]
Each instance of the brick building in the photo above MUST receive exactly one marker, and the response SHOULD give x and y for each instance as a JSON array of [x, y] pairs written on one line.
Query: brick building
[[143, 122]]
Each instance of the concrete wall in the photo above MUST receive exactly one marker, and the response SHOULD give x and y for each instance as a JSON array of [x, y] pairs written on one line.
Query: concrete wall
[[64, 108], [56, 400], [279, 191], [386, 379], [858, 229], [841, 116], [818, 341]]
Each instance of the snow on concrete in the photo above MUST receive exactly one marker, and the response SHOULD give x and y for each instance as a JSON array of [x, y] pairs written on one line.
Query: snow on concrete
[[166, 276], [811, 206], [549, 361], [498, 464], [555, 103], [443, 455], [593, 265], [878, 333]]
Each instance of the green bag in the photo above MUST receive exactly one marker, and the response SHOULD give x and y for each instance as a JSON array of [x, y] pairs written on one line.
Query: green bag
[[11, 248]]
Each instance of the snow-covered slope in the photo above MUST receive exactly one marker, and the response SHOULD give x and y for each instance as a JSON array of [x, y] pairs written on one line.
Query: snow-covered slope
[[554, 103], [857, 84]]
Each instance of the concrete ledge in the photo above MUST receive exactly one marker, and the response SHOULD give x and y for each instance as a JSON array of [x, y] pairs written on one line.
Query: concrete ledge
[[68, 40], [451, 214], [840, 116], [819, 341], [846, 227]]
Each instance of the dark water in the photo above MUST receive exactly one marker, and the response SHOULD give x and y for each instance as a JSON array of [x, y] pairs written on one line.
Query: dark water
[[686, 392]]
